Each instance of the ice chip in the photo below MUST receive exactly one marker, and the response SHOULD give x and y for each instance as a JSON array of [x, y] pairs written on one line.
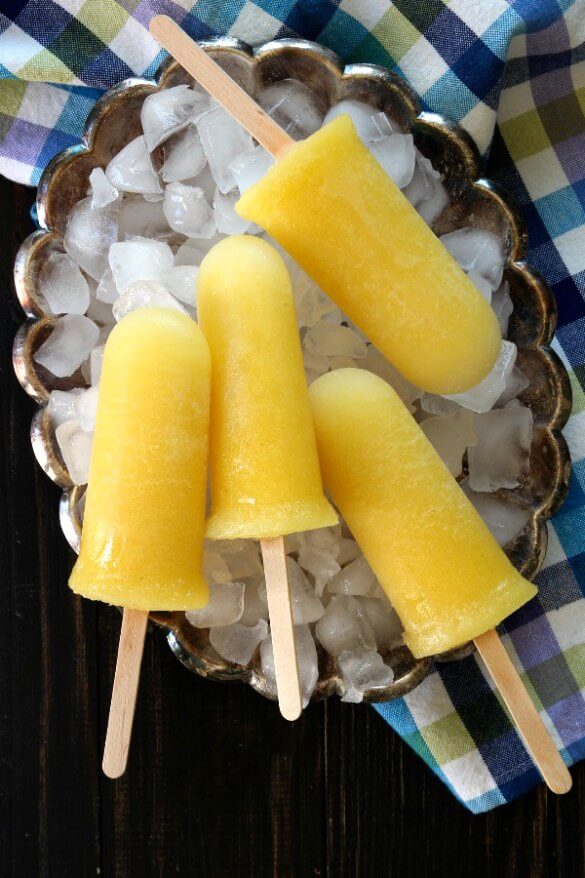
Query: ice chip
[[516, 383], [131, 169], [307, 662], [89, 234], [249, 167], [226, 218], [75, 446], [255, 605], [225, 606], [451, 435], [139, 259], [169, 110], [237, 643], [143, 294], [69, 344], [183, 156], [383, 618], [241, 556], [87, 409], [223, 139], [294, 106], [188, 211], [484, 395], [344, 626], [215, 568], [421, 186], [63, 286], [395, 153], [504, 518], [102, 191], [503, 306], [375, 362], [106, 290], [363, 670], [438, 405], [96, 362], [330, 340], [99, 312], [141, 218], [482, 285], [348, 551], [501, 453], [306, 606], [430, 209], [477, 251], [315, 366], [320, 564], [62, 405], [355, 578], [362, 115], [181, 282]]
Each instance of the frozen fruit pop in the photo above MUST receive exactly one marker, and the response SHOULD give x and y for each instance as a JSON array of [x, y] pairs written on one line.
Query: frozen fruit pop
[[265, 477], [442, 569], [337, 212], [143, 529]]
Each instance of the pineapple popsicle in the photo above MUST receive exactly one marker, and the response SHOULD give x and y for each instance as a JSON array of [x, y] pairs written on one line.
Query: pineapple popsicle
[[337, 212], [143, 530], [443, 571], [265, 477]]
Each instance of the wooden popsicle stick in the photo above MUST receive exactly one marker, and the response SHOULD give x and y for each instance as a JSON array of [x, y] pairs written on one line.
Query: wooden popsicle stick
[[534, 733], [282, 628], [124, 692], [220, 86]]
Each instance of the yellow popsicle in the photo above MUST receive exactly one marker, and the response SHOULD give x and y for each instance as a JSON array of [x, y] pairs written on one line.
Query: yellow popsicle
[[265, 478], [443, 571], [337, 212], [143, 530]]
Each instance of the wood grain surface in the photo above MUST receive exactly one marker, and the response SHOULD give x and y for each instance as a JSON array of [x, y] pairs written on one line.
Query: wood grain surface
[[218, 784]]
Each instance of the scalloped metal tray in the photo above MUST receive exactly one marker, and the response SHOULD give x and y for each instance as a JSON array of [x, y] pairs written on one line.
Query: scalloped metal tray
[[115, 120]]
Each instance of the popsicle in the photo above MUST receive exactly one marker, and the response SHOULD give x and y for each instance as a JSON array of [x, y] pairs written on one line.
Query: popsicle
[[337, 212], [265, 477], [144, 520], [448, 579]]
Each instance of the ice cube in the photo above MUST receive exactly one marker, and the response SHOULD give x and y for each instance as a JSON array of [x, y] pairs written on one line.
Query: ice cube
[[255, 605], [142, 218], [181, 281], [477, 250], [306, 606], [145, 294], [438, 405], [362, 115], [383, 618], [421, 186], [223, 139], [344, 626], [96, 363], [450, 436], [516, 383], [225, 606], [226, 219], [484, 395], [375, 362], [315, 366], [167, 111], [482, 285], [237, 643], [355, 578], [215, 568], [363, 670], [106, 290], [503, 306], [139, 259], [504, 518], [396, 155], [320, 564], [330, 340], [310, 303], [502, 451], [63, 286], [75, 446], [431, 208], [294, 106], [89, 234], [249, 167], [62, 405], [99, 312], [348, 551], [102, 191], [307, 662], [131, 169], [69, 344], [188, 211], [87, 409], [241, 556], [183, 156]]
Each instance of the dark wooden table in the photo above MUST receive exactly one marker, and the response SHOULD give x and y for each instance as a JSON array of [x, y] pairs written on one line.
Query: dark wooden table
[[218, 784]]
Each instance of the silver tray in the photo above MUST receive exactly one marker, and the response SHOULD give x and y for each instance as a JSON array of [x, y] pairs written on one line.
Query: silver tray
[[474, 200]]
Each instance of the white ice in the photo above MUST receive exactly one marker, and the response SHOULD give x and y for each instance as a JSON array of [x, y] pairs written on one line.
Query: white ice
[[223, 139], [383, 618], [430, 209], [106, 290], [184, 157], [139, 259], [306, 606], [249, 167], [167, 111], [131, 169], [225, 606], [181, 282], [226, 219], [241, 556], [504, 518], [96, 364], [294, 106], [75, 446], [344, 626], [62, 405], [478, 251], [422, 183], [362, 115], [87, 408], [69, 344], [500, 455], [396, 155], [307, 662], [141, 218], [101, 190], [484, 395], [355, 578], [188, 211], [363, 670], [503, 306], [143, 294], [63, 286], [89, 234], [255, 604], [451, 435], [378, 364], [237, 643], [330, 340]]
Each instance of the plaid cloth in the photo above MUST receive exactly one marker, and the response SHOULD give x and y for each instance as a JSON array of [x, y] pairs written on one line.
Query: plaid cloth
[[513, 74]]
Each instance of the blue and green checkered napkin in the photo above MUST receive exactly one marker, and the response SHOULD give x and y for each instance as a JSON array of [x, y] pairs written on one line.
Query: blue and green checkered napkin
[[513, 74]]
